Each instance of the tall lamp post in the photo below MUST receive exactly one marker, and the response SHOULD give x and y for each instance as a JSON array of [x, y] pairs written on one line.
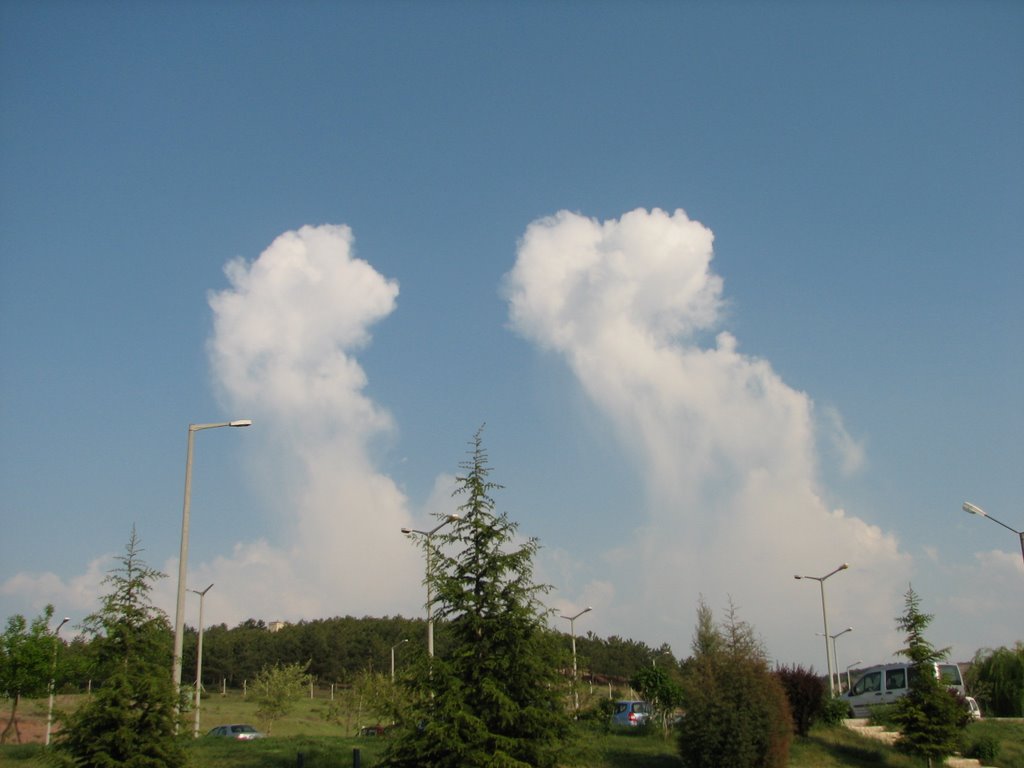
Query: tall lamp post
[[199, 661], [179, 612], [824, 615], [976, 510], [393, 658], [427, 535], [572, 632], [53, 675], [835, 655]]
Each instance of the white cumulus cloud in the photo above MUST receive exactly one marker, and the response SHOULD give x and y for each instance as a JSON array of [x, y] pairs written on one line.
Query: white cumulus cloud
[[283, 346], [727, 449]]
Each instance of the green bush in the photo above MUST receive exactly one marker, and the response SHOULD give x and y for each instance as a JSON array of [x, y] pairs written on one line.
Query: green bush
[[834, 710], [985, 749], [884, 715]]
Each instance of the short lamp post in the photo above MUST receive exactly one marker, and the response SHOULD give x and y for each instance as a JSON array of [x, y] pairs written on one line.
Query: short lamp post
[[427, 535], [393, 658], [824, 615], [835, 655], [53, 676], [976, 510], [572, 632], [848, 668], [199, 662], [179, 613]]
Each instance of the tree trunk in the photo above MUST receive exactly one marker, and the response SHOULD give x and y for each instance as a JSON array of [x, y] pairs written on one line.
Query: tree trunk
[[12, 723]]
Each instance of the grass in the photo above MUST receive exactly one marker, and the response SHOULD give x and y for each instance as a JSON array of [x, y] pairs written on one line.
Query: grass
[[324, 744]]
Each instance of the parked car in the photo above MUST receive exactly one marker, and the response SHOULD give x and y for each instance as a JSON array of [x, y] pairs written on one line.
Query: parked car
[[630, 714], [239, 732], [886, 683], [972, 707]]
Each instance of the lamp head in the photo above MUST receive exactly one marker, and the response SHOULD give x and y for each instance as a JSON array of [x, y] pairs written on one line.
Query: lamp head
[[240, 423], [407, 531], [974, 510]]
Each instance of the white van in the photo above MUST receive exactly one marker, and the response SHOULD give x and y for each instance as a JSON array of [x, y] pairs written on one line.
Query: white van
[[887, 682]]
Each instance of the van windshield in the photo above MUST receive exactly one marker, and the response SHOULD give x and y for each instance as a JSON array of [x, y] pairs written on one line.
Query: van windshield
[[871, 682]]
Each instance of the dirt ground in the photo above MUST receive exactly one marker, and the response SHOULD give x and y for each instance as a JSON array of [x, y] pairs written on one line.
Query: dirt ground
[[31, 723]]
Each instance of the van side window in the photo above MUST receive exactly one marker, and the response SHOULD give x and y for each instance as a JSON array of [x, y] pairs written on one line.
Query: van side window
[[870, 683], [950, 674], [895, 679]]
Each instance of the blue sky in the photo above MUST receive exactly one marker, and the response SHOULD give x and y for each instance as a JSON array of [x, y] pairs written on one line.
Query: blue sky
[[736, 288]]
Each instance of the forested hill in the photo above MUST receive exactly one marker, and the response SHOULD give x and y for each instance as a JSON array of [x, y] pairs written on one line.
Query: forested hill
[[339, 648]]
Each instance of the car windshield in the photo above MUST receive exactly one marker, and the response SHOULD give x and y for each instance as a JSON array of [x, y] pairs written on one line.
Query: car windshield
[[242, 729]]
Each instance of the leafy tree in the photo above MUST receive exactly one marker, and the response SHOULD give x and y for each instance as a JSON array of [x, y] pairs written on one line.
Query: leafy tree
[[26, 663], [736, 710], [930, 716], [662, 692], [806, 694], [491, 699], [131, 719], [371, 699], [276, 689], [997, 679]]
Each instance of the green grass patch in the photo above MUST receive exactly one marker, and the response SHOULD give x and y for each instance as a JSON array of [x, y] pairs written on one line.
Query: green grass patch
[[325, 744]]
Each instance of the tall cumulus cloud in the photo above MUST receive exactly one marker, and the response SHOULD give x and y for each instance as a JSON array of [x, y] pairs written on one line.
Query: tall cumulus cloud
[[726, 448], [285, 335]]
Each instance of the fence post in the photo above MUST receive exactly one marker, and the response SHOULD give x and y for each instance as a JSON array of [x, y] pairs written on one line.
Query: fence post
[[355, 758]]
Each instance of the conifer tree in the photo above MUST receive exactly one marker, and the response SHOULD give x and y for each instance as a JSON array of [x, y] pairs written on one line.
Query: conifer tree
[[736, 710], [930, 716], [492, 699], [130, 720]]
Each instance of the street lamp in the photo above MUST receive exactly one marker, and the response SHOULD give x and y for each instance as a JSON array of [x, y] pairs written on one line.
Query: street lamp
[[199, 660], [975, 510], [835, 655], [430, 600], [53, 675], [824, 614], [393, 658], [848, 668], [179, 612], [572, 631]]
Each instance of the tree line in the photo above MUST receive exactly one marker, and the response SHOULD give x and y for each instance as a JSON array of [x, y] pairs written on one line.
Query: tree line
[[336, 650]]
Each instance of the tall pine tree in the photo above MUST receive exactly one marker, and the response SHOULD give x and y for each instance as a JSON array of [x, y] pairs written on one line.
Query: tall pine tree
[[930, 717], [492, 699], [130, 720]]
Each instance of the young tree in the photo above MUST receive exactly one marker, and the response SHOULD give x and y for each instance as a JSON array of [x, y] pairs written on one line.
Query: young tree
[[26, 663], [997, 680], [276, 689], [930, 716], [492, 698], [736, 710], [130, 719], [664, 693]]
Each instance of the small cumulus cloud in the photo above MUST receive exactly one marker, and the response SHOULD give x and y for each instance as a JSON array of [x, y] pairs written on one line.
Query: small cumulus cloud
[[77, 596]]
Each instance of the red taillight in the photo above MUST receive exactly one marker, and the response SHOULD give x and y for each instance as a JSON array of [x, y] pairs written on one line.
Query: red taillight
[[632, 717]]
